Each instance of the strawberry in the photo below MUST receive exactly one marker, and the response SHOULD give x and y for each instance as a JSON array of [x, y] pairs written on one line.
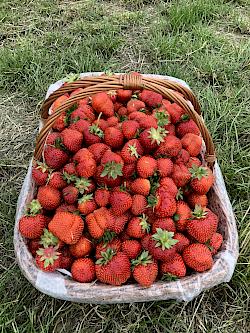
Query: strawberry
[[136, 115], [180, 175], [140, 186], [120, 201], [102, 103], [112, 121], [67, 227], [146, 166], [122, 112], [113, 164], [182, 215], [169, 186], [84, 185], [66, 208], [123, 95], [171, 146], [108, 175], [182, 158], [202, 179], [83, 270], [83, 101], [164, 167], [128, 171], [86, 204], [86, 168], [88, 112], [114, 244], [150, 139], [82, 248], [215, 242], [145, 241], [187, 126], [49, 197], [92, 134], [163, 202], [194, 199], [113, 268], [138, 226], [175, 111], [94, 229], [139, 204], [151, 98], [31, 225], [70, 194], [112, 95], [48, 258], [82, 155], [131, 151], [203, 224], [34, 245], [135, 105], [57, 181], [40, 173], [61, 122], [101, 124], [162, 245], [193, 161], [145, 269], [51, 138], [117, 106], [130, 129], [98, 150], [183, 242], [102, 196], [164, 223], [170, 128], [48, 239], [192, 143], [66, 259], [54, 157], [71, 139], [148, 122], [198, 257], [80, 125], [119, 224], [77, 114], [175, 266], [131, 248], [113, 137]]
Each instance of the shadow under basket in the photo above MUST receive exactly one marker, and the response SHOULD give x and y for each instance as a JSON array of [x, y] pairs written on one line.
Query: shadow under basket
[[60, 285]]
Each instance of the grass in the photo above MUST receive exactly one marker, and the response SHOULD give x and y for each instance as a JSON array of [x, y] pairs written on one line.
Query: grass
[[204, 43]]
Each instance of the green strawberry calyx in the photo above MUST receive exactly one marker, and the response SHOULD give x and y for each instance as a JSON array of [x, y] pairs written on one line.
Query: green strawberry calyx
[[72, 77], [48, 239], [68, 177], [157, 134], [162, 118], [106, 256], [164, 239], [169, 277], [133, 150], [85, 198], [107, 237], [144, 223], [82, 184], [95, 129], [199, 212], [33, 208], [185, 117], [179, 195], [42, 166], [198, 172], [152, 201], [112, 170], [48, 255], [143, 259]]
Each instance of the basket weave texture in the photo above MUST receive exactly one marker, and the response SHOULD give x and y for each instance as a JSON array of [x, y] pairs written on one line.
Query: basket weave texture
[[59, 284]]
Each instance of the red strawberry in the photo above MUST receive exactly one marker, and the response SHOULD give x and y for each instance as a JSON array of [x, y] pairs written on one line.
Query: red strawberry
[[49, 197], [82, 248], [175, 266], [120, 202], [98, 150], [70, 194], [67, 227], [130, 128], [138, 226], [146, 166], [34, 245], [136, 115], [170, 147], [194, 199], [40, 173], [54, 157], [102, 197], [80, 125], [66, 208], [140, 186], [56, 180], [108, 175], [139, 204], [88, 111], [165, 223], [145, 241], [48, 259], [109, 157], [215, 242], [112, 121], [113, 268], [135, 105], [132, 248], [123, 95], [66, 259], [83, 270], [131, 151], [95, 230], [164, 166], [175, 111], [117, 106], [180, 175], [198, 257], [151, 98], [152, 138], [193, 161], [148, 122], [202, 179], [51, 138], [203, 224], [119, 224], [114, 244], [163, 202], [183, 242], [170, 128], [72, 139], [86, 204], [113, 137], [169, 186], [162, 245], [100, 124], [145, 269], [128, 171], [187, 126], [31, 225], [122, 111], [192, 143], [58, 102], [92, 134], [102, 103], [86, 168], [182, 215], [182, 158], [112, 95]]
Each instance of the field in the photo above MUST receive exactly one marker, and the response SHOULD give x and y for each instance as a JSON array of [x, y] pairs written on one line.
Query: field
[[205, 43]]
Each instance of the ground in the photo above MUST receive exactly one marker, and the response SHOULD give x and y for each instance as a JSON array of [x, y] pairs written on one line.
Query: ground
[[205, 43]]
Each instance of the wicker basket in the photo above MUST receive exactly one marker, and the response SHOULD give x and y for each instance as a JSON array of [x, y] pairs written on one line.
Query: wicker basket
[[59, 284]]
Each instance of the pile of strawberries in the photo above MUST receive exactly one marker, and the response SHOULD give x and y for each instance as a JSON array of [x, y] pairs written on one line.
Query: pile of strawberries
[[122, 192]]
